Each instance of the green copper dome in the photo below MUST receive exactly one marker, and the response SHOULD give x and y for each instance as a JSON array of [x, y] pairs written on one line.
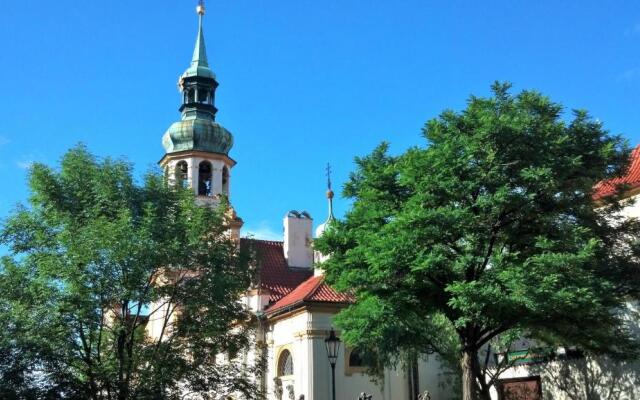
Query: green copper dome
[[197, 134]]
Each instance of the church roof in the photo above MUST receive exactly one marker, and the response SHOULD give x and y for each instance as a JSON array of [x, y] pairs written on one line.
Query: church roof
[[313, 290], [630, 180], [197, 134], [289, 286], [275, 274]]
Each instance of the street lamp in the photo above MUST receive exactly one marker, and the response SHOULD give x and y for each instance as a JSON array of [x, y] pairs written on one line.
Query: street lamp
[[333, 345]]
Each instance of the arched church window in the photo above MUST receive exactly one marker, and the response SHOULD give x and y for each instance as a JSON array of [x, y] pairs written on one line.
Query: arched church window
[[204, 179], [225, 180], [182, 174], [285, 363]]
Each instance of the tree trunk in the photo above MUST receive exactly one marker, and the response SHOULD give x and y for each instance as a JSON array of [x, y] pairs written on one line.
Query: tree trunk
[[468, 375]]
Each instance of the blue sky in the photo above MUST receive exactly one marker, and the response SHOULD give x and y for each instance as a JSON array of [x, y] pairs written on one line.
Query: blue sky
[[301, 82]]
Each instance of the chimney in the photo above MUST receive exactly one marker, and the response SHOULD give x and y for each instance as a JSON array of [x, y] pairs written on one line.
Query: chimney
[[297, 239]]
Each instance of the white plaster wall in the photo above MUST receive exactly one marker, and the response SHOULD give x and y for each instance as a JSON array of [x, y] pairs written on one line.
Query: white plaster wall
[[632, 208], [255, 301], [283, 334], [435, 378], [595, 379], [158, 312], [297, 241], [304, 335]]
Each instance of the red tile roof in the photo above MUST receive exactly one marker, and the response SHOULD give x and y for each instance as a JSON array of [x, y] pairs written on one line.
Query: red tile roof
[[275, 274], [631, 180], [313, 290]]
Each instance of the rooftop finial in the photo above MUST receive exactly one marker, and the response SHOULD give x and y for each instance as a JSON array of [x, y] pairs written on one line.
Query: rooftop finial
[[329, 191], [200, 9], [200, 52]]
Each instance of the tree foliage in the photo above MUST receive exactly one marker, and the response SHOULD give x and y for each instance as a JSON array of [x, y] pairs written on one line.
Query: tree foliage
[[489, 230], [97, 259]]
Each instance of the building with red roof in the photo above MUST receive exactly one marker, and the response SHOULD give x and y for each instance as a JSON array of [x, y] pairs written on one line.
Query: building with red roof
[[626, 185], [293, 306]]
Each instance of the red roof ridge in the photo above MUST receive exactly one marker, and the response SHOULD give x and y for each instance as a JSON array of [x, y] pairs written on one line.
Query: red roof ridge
[[630, 179], [314, 289], [297, 295]]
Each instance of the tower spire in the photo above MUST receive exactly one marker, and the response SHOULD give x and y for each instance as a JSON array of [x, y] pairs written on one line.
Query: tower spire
[[329, 193], [200, 51]]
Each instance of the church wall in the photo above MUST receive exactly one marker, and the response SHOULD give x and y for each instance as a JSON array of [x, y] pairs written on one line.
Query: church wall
[[582, 378], [303, 334], [284, 335], [435, 378]]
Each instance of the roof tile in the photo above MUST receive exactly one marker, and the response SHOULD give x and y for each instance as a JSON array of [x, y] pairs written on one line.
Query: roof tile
[[313, 290], [631, 179], [275, 274]]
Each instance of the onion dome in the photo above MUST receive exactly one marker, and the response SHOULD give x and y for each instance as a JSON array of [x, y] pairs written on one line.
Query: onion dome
[[197, 134]]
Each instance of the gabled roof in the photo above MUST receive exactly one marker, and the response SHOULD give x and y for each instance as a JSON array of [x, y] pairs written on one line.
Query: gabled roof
[[631, 180], [275, 274], [313, 290]]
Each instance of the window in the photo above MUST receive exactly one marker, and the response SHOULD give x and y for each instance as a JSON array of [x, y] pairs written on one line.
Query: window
[[182, 174], [202, 96], [285, 363], [204, 179], [190, 96], [225, 180], [355, 359]]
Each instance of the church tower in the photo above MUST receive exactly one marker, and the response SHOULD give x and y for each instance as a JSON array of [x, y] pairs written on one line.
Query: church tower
[[197, 147]]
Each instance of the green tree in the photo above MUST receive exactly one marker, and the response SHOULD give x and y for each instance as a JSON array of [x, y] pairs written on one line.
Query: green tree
[[95, 259], [487, 233]]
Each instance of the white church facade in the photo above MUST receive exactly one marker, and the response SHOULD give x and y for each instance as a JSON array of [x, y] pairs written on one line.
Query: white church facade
[[293, 306]]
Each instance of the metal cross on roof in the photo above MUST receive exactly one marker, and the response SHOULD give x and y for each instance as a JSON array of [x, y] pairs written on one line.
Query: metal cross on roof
[[328, 176]]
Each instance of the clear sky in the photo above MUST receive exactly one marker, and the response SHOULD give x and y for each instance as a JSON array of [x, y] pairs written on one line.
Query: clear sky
[[301, 82]]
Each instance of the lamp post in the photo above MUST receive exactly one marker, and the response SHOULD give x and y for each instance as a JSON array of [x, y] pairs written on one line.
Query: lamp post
[[333, 345]]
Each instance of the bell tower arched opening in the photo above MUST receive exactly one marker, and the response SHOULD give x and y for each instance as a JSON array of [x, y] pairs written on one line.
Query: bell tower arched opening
[[204, 179], [225, 180], [182, 174]]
